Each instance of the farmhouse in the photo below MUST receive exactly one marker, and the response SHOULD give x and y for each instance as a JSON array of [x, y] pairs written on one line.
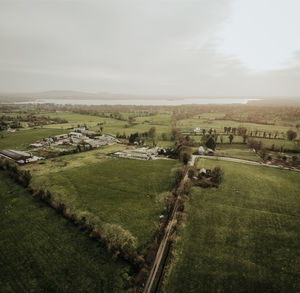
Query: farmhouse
[[17, 156]]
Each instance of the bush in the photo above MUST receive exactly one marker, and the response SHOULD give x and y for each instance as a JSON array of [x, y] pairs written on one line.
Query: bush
[[217, 175], [178, 175], [119, 241], [191, 173], [185, 154], [254, 144]]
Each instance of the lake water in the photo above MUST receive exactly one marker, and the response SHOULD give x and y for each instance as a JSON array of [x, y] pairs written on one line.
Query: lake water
[[144, 102]]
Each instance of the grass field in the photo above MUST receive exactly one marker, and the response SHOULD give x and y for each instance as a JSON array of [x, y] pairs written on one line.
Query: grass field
[[20, 140], [239, 151], [241, 237], [129, 193], [208, 121], [112, 126], [40, 251]]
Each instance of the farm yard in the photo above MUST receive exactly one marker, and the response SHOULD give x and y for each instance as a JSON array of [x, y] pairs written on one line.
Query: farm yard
[[40, 251], [240, 237]]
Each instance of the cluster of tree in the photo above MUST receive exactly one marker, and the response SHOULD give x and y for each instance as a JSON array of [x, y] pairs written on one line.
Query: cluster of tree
[[140, 137], [255, 145], [11, 168], [32, 120], [118, 135], [212, 178], [260, 114], [9, 122], [245, 134]]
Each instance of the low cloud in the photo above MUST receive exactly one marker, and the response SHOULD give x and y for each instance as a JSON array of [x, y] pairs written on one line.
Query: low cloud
[[141, 47]]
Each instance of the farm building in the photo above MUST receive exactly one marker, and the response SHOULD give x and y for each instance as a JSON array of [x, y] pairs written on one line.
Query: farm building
[[197, 130], [60, 137], [109, 138], [75, 134], [36, 145], [201, 150], [89, 133], [17, 156], [79, 129], [138, 154]]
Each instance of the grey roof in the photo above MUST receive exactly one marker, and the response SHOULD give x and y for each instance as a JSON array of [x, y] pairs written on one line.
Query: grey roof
[[15, 155]]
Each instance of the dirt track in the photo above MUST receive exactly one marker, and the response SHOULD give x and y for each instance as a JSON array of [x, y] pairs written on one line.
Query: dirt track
[[163, 244]]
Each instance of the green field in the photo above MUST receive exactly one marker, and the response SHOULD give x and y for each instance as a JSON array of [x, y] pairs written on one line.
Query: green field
[[208, 120], [129, 193], [241, 237], [21, 139], [239, 151], [162, 122], [40, 251]]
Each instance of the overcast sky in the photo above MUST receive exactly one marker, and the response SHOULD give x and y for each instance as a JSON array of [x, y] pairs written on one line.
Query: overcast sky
[[164, 47]]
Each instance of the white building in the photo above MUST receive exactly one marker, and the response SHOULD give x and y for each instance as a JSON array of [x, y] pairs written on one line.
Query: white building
[[201, 150]]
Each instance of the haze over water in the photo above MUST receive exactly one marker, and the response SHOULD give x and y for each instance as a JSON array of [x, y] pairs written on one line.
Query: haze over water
[[144, 102]]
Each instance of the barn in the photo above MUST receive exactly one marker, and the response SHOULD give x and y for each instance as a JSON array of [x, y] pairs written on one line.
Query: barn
[[17, 156]]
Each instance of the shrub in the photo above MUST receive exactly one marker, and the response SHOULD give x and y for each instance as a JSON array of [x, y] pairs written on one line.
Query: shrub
[[119, 241], [191, 173], [217, 175], [178, 174]]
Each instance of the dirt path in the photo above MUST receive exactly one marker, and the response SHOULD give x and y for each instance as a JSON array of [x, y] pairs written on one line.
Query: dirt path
[[163, 243], [245, 162]]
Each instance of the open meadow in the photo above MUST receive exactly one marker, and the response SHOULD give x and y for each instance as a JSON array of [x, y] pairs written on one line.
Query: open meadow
[[20, 140], [40, 251], [242, 236], [129, 193]]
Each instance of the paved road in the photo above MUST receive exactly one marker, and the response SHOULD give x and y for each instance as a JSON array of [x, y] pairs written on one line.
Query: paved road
[[245, 162]]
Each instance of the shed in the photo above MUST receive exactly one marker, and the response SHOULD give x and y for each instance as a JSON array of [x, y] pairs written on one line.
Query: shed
[[17, 156]]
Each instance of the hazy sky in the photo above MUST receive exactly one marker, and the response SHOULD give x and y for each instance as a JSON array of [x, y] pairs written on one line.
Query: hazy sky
[[174, 47]]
